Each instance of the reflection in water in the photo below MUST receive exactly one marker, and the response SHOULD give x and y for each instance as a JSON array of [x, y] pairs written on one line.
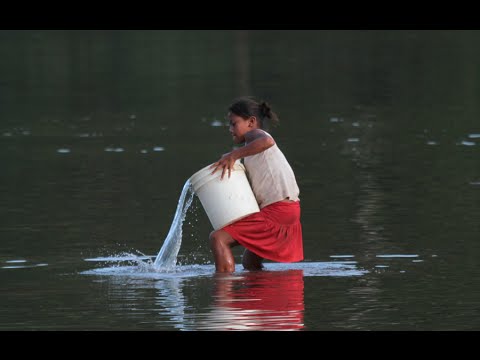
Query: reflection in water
[[265, 300], [370, 213], [193, 297], [172, 301]]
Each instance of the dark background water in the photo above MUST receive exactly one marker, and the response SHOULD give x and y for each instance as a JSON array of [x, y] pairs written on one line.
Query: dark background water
[[99, 130]]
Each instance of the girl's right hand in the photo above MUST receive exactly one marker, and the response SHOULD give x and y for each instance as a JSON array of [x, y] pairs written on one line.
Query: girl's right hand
[[225, 163]]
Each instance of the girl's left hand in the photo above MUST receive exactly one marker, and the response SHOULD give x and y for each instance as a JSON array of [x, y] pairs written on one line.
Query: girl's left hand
[[225, 163]]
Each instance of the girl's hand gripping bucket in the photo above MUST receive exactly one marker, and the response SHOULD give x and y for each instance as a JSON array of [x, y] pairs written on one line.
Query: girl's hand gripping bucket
[[225, 201]]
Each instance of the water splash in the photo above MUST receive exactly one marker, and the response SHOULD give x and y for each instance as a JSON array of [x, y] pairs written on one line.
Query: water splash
[[167, 257]]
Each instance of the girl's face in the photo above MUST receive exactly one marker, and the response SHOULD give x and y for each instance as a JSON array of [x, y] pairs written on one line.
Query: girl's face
[[239, 127]]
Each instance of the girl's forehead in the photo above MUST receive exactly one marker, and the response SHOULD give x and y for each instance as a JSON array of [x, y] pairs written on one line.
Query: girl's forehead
[[233, 116]]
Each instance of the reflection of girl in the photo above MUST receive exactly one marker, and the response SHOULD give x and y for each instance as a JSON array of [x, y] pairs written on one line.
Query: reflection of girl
[[274, 233], [268, 300]]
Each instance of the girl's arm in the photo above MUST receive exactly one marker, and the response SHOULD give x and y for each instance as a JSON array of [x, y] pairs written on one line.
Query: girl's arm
[[256, 141]]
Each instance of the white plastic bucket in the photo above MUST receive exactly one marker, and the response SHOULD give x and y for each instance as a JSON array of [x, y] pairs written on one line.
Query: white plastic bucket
[[225, 201]]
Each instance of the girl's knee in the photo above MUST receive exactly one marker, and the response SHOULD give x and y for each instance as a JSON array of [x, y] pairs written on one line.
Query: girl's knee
[[217, 238], [214, 238], [220, 238]]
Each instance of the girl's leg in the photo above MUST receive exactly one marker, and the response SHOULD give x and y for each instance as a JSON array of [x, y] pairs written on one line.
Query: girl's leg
[[221, 243], [251, 261]]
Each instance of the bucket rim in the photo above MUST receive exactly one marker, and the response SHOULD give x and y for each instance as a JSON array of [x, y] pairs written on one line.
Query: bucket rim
[[203, 172]]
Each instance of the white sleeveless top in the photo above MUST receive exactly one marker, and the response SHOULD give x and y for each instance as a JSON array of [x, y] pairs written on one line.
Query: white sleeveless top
[[271, 176]]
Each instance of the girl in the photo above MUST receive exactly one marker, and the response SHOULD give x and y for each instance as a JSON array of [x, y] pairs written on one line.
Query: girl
[[275, 233]]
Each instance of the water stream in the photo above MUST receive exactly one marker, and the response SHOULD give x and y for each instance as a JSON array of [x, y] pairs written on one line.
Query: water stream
[[167, 256]]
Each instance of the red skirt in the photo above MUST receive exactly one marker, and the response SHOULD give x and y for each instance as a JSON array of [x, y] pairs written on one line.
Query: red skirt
[[274, 233]]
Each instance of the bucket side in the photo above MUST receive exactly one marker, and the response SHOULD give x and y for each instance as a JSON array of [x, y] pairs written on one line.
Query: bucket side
[[226, 202]]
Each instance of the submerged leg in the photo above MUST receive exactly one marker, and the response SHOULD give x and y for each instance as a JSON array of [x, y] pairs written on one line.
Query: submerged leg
[[221, 243], [251, 261]]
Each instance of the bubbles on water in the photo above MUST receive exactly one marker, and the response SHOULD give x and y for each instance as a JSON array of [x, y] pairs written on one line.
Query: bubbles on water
[[63, 151], [474, 136], [158, 148], [432, 143]]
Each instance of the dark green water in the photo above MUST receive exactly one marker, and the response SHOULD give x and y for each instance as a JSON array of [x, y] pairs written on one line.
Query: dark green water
[[99, 130]]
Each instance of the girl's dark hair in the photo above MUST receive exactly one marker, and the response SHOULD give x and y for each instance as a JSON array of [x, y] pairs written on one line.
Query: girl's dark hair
[[249, 106]]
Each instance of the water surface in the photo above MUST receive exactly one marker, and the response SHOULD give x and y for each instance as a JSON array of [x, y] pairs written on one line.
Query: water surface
[[99, 130]]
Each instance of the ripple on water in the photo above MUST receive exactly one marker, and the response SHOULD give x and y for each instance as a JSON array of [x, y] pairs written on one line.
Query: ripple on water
[[466, 143], [335, 120], [396, 256], [23, 266], [120, 258], [147, 270]]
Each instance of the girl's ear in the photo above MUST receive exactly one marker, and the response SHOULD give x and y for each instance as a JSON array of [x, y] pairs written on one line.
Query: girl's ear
[[251, 121]]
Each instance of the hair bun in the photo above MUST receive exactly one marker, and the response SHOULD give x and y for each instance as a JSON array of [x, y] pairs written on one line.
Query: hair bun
[[265, 109]]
